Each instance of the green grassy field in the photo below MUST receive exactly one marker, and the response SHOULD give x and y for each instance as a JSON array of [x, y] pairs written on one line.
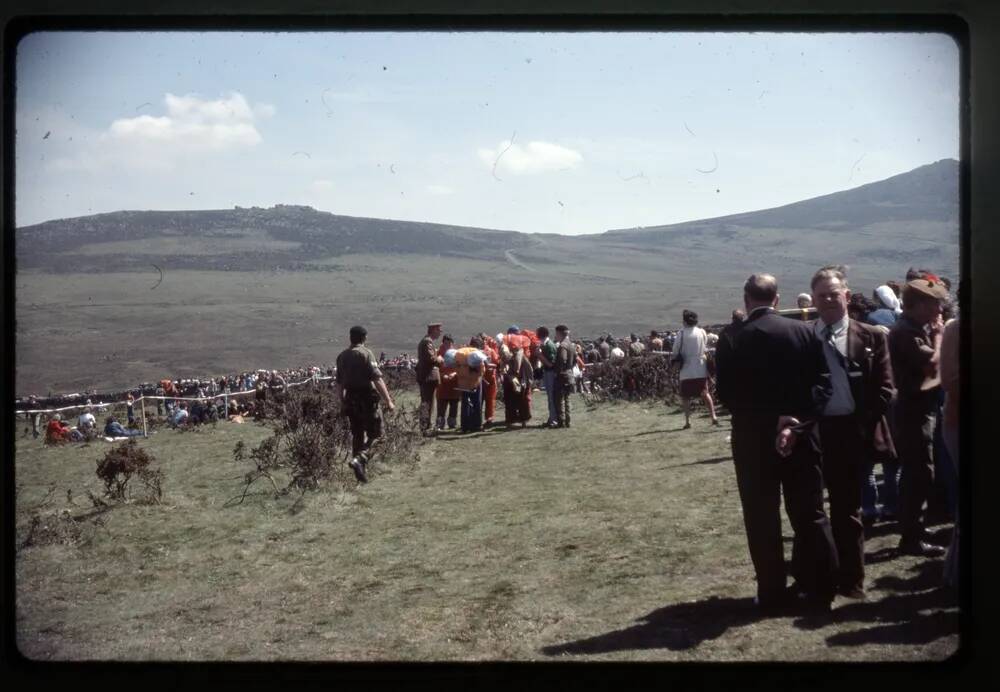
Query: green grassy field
[[111, 330], [116, 329], [618, 539]]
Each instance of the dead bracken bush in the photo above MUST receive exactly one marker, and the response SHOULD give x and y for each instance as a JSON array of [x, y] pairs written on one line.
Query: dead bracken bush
[[646, 376], [120, 464], [48, 526], [398, 380], [311, 440]]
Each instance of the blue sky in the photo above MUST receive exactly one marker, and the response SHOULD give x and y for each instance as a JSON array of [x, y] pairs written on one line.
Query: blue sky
[[535, 132]]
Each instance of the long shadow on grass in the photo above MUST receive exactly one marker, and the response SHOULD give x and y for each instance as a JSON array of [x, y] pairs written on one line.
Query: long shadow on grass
[[677, 627], [897, 618], [940, 535], [452, 437], [659, 432], [713, 460]]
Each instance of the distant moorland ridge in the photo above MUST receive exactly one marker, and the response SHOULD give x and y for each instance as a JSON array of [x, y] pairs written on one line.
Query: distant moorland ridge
[[114, 299], [292, 237]]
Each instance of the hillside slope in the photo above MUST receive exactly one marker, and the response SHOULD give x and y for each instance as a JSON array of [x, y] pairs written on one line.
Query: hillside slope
[[279, 287]]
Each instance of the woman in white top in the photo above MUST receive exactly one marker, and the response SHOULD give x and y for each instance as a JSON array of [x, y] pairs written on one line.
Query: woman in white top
[[690, 345]]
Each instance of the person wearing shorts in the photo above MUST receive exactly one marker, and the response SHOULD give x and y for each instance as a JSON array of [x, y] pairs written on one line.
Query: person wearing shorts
[[689, 348]]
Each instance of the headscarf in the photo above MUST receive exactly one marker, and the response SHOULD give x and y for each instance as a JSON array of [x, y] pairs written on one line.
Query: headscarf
[[888, 298]]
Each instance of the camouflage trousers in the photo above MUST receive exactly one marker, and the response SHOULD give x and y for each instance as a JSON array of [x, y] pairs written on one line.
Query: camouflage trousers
[[562, 391]]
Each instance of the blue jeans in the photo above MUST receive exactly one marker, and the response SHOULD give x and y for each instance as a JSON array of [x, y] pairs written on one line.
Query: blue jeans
[[944, 469], [549, 382], [870, 495], [122, 432], [869, 491], [472, 410]]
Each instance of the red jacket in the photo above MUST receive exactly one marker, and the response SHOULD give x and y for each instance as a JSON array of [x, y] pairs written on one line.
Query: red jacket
[[56, 431]]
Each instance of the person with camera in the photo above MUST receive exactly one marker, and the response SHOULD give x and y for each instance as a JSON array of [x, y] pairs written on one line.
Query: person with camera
[[689, 354]]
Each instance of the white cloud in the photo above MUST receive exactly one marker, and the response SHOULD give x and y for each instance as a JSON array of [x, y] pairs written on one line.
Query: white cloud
[[194, 124], [534, 157], [440, 190], [191, 128]]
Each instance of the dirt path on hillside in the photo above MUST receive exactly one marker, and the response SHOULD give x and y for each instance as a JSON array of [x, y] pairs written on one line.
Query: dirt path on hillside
[[509, 255]]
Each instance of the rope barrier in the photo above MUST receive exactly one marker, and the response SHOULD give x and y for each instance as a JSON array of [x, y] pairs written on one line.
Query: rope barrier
[[153, 397]]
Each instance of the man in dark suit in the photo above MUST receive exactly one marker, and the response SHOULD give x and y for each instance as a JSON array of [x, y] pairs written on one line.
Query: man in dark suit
[[728, 332], [853, 427], [772, 376]]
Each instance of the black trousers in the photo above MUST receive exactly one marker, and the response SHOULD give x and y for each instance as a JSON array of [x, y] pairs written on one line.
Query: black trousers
[[915, 444], [763, 477], [844, 455], [366, 421]]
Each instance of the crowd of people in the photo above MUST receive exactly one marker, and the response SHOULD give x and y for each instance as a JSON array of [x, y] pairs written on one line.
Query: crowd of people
[[817, 402], [181, 402], [193, 401]]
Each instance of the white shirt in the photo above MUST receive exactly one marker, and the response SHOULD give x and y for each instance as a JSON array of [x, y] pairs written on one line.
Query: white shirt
[[86, 420], [841, 403], [617, 353], [690, 343]]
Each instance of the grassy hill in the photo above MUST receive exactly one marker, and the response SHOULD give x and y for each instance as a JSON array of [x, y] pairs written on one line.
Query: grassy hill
[[618, 539], [249, 288]]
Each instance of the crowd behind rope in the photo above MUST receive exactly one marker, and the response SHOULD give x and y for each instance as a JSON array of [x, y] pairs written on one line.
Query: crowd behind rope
[[695, 375]]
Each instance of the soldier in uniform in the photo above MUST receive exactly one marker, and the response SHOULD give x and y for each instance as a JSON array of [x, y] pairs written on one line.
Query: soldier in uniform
[[360, 386], [428, 373], [564, 379]]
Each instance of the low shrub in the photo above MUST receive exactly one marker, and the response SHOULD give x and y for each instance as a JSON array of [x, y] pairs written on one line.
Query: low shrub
[[311, 440], [125, 461]]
